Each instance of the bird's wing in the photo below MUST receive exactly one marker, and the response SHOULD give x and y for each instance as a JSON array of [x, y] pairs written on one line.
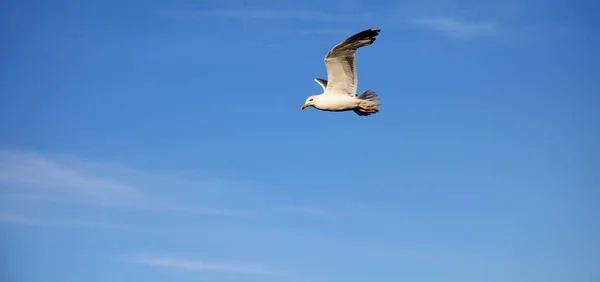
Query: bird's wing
[[341, 63], [322, 82]]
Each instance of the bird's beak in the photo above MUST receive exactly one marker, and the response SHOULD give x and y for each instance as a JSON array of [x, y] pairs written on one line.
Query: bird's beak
[[304, 106]]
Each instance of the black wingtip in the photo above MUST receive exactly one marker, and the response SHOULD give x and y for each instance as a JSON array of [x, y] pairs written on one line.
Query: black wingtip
[[370, 33], [374, 31]]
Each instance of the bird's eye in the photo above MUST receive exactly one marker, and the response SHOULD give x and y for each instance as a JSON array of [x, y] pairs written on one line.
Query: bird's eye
[[310, 100]]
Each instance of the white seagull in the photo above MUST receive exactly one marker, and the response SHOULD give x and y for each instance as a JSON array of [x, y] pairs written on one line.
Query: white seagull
[[339, 90]]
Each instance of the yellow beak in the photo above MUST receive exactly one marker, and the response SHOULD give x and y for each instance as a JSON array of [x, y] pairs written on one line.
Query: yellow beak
[[304, 106]]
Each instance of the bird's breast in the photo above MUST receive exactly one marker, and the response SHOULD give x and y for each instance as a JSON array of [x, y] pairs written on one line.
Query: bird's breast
[[336, 103]]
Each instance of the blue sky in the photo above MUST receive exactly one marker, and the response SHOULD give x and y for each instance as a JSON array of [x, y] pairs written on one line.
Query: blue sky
[[164, 141]]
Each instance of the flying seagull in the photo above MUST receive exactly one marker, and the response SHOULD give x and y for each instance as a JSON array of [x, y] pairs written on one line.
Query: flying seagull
[[339, 90]]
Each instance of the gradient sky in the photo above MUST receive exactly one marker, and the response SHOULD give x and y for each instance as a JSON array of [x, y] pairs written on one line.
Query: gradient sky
[[164, 141]]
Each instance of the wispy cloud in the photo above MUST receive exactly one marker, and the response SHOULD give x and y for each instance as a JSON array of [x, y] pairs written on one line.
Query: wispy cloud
[[27, 179], [25, 176], [34, 172], [195, 265], [267, 15], [390, 19], [457, 28]]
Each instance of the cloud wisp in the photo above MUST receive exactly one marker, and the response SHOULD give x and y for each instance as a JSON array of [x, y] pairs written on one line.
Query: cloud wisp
[[196, 265], [457, 28], [28, 179], [25, 176], [34, 172], [323, 23]]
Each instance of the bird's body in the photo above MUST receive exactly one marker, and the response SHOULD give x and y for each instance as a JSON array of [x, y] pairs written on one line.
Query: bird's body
[[339, 90], [335, 103]]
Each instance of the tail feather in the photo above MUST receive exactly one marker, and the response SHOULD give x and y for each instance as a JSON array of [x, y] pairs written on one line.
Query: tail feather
[[370, 96], [371, 99]]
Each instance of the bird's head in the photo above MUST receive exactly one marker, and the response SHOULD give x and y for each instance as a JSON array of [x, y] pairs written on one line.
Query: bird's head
[[310, 101]]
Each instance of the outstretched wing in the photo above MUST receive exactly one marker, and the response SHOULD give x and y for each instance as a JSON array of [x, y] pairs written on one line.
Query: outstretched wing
[[322, 82], [341, 63]]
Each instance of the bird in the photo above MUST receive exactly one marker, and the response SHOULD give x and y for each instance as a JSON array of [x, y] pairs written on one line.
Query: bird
[[339, 89]]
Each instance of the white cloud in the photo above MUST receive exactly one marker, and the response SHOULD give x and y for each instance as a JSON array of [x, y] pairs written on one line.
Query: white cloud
[[195, 265], [25, 176], [387, 19], [34, 172], [457, 28]]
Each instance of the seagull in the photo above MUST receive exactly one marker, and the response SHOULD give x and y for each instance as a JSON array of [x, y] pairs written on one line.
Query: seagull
[[339, 90]]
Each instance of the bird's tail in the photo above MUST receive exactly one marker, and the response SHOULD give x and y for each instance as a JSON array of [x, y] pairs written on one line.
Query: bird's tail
[[370, 103]]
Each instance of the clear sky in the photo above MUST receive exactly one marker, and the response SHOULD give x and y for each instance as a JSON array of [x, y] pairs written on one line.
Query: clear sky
[[164, 141]]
